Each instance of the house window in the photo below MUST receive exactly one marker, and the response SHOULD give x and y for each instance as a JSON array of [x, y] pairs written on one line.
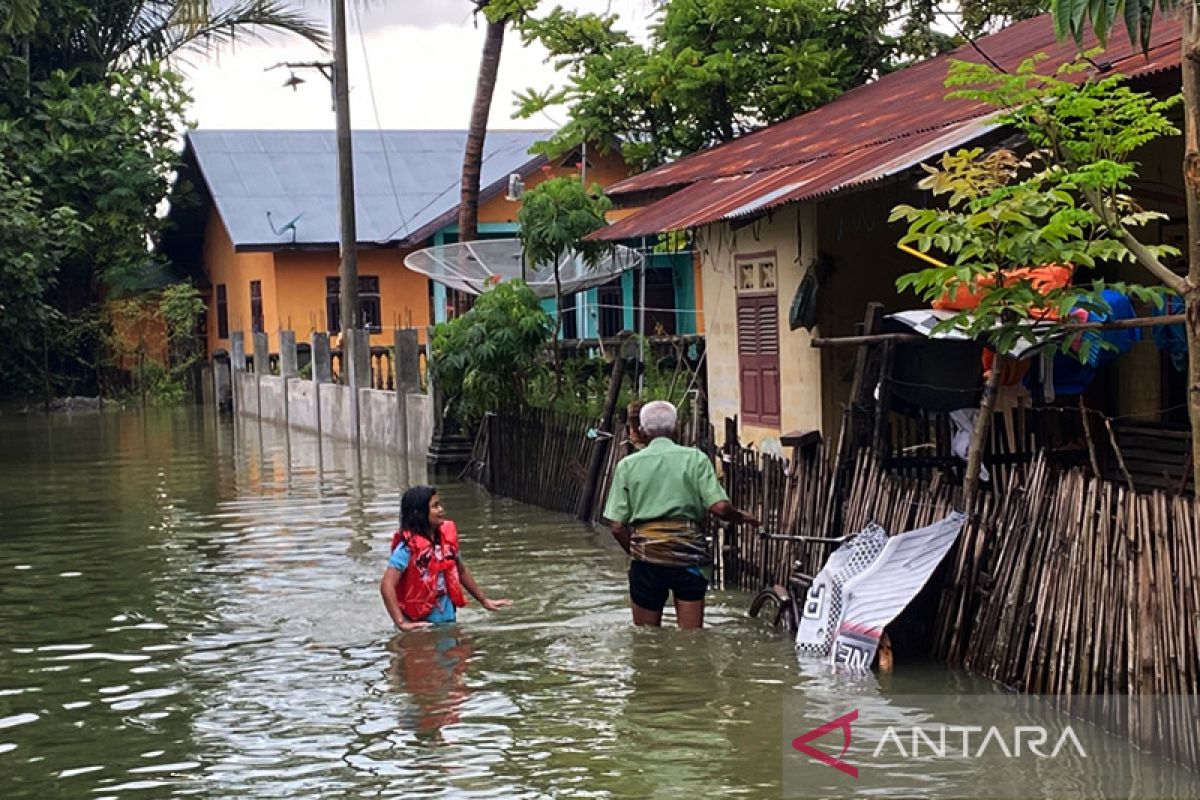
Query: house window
[[570, 322], [369, 308], [222, 312], [256, 312], [611, 300], [758, 339]]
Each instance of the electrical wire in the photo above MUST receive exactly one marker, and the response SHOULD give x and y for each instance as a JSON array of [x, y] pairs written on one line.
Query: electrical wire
[[378, 124]]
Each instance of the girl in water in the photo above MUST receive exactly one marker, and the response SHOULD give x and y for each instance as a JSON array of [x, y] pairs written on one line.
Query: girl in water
[[424, 580]]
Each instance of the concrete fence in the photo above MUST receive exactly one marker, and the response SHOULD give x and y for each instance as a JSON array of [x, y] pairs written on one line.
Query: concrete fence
[[400, 421]]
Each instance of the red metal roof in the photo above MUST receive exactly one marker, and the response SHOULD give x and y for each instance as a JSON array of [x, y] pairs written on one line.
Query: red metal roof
[[868, 133]]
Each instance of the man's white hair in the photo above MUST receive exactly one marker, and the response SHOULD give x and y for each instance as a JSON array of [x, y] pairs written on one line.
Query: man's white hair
[[658, 418]]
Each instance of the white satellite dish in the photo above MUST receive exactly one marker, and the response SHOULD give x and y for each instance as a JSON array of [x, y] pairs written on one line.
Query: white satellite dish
[[473, 267]]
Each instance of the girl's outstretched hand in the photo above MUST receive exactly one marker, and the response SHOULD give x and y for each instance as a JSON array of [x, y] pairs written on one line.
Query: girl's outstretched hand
[[414, 626], [495, 605]]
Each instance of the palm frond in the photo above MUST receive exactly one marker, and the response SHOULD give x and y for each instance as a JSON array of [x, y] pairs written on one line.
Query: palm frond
[[163, 28], [18, 17]]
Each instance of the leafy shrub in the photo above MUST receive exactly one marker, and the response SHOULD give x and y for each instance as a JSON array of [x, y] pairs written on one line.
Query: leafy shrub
[[485, 358]]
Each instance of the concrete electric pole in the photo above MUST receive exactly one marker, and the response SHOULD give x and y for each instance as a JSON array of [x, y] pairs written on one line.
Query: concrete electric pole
[[347, 243]]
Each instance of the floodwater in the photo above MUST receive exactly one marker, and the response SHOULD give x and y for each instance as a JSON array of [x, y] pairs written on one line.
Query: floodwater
[[190, 608]]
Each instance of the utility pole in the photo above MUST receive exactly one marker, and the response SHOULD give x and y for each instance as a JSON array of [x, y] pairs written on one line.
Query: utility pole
[[347, 243]]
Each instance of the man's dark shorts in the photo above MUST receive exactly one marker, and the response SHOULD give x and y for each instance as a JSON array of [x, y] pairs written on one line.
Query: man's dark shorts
[[649, 584]]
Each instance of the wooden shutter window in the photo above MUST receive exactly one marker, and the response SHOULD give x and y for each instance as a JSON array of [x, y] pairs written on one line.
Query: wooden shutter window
[[758, 357]]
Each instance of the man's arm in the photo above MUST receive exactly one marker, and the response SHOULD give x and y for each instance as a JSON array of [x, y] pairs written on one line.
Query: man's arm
[[617, 510], [725, 510], [622, 533], [714, 496]]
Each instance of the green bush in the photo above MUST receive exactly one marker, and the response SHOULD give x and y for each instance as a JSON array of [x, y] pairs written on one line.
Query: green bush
[[485, 358]]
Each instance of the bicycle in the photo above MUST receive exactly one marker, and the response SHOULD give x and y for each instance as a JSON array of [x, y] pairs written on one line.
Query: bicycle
[[788, 601], [791, 602]]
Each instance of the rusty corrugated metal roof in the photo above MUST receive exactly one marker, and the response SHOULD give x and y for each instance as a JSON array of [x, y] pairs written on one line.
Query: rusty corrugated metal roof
[[868, 133]]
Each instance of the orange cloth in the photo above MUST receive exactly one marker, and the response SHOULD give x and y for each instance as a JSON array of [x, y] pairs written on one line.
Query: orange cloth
[[1013, 371], [960, 296]]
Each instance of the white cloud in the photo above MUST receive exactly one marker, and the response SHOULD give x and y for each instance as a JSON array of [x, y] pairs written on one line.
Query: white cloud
[[423, 56]]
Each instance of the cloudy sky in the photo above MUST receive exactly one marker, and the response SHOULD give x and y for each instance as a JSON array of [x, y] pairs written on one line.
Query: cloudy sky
[[420, 58]]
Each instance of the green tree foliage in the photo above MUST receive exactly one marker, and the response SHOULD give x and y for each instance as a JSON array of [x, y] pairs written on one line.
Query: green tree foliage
[[555, 216], [104, 150], [39, 37], [33, 239], [485, 358], [1076, 17], [89, 123], [715, 69], [107, 151], [1065, 202]]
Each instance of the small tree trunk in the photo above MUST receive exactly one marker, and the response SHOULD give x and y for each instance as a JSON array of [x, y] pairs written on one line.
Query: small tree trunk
[[1191, 174], [558, 326], [485, 86], [983, 426]]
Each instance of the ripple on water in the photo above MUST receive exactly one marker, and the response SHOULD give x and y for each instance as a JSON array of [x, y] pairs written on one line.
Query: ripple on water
[[225, 637]]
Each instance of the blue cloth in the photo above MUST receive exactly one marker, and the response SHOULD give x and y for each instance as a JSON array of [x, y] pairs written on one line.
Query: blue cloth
[[1172, 339], [1071, 376], [443, 611]]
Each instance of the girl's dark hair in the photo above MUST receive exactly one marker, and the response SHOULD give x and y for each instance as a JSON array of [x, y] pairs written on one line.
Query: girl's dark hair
[[414, 510]]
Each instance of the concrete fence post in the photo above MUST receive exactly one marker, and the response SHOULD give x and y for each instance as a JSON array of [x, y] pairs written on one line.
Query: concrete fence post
[[262, 354], [322, 372], [357, 354], [222, 385], [356, 360], [432, 388], [262, 366], [408, 379], [287, 369], [237, 365], [322, 364], [287, 354], [237, 352]]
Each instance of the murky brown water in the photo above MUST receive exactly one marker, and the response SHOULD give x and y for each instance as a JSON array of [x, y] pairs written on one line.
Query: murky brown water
[[190, 608]]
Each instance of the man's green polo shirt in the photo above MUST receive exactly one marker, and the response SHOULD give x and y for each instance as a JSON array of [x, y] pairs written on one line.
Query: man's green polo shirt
[[664, 482]]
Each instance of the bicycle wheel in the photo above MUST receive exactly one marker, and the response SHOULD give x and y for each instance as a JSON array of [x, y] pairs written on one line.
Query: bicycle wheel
[[769, 600], [787, 619]]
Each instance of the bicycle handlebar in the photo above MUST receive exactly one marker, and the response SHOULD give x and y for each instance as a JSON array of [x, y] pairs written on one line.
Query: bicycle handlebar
[[779, 537]]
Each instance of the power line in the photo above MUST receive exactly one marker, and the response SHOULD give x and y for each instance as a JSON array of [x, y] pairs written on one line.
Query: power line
[[378, 125]]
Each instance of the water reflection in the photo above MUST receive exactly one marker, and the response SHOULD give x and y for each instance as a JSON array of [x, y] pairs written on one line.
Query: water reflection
[[429, 667], [191, 607]]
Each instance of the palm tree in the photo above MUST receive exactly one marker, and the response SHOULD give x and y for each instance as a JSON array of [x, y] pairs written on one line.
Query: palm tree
[[498, 14], [485, 87], [1074, 17], [97, 36]]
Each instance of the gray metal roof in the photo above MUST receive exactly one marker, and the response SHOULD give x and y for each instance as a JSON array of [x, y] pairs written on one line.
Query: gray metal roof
[[261, 181]]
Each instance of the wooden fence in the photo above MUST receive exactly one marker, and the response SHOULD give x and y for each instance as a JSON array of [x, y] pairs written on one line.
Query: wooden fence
[[536, 456], [1063, 585]]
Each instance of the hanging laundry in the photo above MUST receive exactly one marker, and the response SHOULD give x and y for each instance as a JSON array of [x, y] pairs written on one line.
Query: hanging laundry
[[1172, 339], [963, 420], [1072, 376]]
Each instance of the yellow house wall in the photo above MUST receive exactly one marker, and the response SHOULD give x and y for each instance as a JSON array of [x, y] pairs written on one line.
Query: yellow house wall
[[403, 294], [791, 234], [606, 169], [293, 282], [235, 271]]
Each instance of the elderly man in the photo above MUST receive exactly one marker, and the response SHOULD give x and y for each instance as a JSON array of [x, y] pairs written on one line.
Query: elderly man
[[658, 499]]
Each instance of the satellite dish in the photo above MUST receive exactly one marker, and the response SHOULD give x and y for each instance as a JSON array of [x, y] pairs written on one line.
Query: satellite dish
[[473, 267]]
